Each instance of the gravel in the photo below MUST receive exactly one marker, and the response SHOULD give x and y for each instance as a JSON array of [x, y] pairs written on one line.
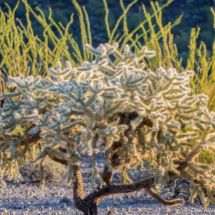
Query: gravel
[[27, 197], [30, 199]]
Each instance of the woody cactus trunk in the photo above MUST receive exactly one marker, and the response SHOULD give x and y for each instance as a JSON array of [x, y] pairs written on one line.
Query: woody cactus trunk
[[137, 113]]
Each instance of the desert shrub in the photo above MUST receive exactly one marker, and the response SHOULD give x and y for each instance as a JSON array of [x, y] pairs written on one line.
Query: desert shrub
[[138, 114], [206, 157]]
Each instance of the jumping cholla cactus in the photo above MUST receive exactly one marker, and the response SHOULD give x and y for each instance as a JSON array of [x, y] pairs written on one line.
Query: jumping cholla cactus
[[137, 113]]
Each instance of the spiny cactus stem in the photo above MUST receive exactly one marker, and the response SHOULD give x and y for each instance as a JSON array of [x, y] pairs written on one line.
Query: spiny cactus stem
[[191, 155]]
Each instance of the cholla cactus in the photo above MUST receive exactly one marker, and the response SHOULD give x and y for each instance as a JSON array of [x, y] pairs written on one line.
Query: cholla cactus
[[138, 114]]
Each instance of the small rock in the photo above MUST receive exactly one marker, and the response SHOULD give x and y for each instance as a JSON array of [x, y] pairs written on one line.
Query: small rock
[[115, 204], [65, 200]]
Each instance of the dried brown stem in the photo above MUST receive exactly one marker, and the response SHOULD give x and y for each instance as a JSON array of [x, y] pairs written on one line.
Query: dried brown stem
[[107, 175], [168, 203], [59, 160], [147, 183], [78, 189], [89, 204]]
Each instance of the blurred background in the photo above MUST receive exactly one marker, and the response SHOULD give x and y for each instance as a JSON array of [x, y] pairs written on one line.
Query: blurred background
[[196, 13]]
